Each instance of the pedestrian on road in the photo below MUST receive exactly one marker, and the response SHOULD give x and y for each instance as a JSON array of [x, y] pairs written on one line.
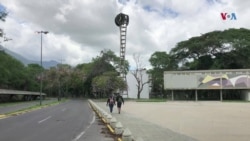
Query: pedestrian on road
[[111, 103], [119, 100]]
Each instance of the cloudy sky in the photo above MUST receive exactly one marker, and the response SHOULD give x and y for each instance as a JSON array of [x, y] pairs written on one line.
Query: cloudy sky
[[80, 29]]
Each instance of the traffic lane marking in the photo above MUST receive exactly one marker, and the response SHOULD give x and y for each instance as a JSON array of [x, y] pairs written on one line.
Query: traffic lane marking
[[44, 119], [84, 131]]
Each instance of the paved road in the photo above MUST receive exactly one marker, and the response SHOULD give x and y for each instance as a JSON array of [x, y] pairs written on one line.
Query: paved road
[[70, 121]]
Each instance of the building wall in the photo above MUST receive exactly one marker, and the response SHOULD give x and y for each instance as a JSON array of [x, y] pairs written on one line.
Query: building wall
[[209, 79], [132, 88], [180, 81], [220, 81]]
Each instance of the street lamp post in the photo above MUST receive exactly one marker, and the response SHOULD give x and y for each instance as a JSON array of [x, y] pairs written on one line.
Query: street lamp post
[[41, 78]]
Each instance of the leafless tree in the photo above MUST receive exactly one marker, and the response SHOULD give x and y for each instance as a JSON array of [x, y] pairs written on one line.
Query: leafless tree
[[138, 74]]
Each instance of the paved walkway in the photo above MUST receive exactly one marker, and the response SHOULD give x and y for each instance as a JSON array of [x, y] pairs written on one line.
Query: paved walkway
[[186, 121], [148, 131]]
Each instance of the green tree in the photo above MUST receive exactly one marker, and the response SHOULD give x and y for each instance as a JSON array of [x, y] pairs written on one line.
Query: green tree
[[12, 74], [226, 49], [33, 73], [85, 72], [57, 80], [106, 62], [107, 83], [160, 62], [65, 72]]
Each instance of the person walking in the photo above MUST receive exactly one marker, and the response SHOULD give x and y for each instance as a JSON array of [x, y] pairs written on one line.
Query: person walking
[[111, 103], [119, 100]]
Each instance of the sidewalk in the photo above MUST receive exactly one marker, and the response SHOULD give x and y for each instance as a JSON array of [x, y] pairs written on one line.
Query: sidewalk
[[143, 129]]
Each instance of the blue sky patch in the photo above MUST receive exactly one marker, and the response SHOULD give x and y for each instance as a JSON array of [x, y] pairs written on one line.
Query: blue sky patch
[[124, 2], [149, 8], [2, 8], [164, 12], [171, 12], [212, 2]]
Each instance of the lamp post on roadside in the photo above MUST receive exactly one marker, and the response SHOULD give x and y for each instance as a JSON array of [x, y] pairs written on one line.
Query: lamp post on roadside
[[41, 78]]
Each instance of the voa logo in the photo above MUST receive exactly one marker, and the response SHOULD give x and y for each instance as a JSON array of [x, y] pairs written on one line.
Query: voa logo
[[228, 16]]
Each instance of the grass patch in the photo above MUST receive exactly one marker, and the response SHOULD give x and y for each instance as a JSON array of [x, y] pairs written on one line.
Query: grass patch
[[5, 104], [236, 101], [36, 107], [11, 103], [151, 100]]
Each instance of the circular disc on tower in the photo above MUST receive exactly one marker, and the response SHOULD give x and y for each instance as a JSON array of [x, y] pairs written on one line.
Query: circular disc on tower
[[121, 19]]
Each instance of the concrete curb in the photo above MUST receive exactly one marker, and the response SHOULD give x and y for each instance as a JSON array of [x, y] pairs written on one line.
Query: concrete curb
[[113, 125]]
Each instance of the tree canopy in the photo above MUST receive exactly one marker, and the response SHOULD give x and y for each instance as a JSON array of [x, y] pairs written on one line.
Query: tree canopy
[[160, 61], [12, 72], [108, 83], [226, 49]]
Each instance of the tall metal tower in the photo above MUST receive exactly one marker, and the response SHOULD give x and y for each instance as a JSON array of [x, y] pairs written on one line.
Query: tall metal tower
[[122, 20]]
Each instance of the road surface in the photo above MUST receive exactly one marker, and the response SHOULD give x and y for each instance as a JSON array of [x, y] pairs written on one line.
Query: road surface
[[70, 121]]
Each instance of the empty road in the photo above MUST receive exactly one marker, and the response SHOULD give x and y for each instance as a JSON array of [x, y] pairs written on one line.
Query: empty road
[[70, 121]]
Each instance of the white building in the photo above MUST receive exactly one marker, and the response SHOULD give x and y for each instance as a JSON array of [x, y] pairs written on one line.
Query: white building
[[204, 80], [132, 85]]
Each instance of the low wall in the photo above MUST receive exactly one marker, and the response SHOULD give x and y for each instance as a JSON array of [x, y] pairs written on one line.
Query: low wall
[[113, 125]]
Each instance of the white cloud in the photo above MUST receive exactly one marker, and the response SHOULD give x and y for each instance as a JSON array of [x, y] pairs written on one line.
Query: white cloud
[[60, 17], [80, 29]]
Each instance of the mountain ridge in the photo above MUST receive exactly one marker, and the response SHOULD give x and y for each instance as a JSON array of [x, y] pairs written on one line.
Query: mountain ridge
[[25, 61]]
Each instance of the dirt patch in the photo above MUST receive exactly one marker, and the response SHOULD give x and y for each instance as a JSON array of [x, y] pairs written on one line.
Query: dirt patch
[[105, 131]]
